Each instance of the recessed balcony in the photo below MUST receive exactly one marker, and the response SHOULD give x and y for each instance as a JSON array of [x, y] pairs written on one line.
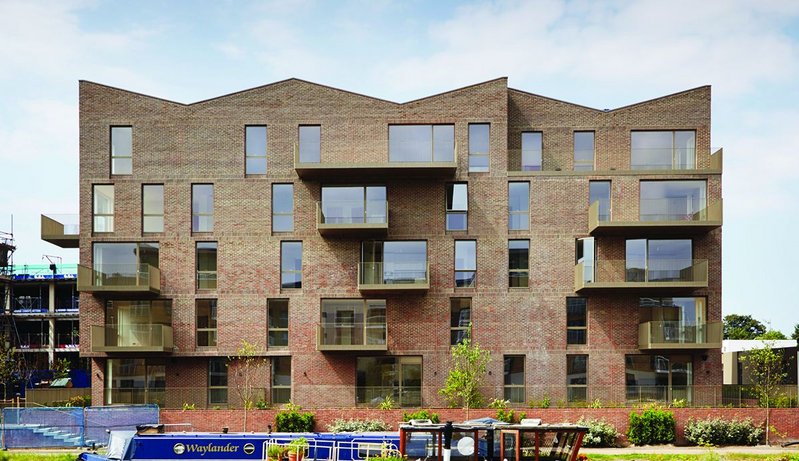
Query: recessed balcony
[[660, 222], [391, 278], [352, 336], [120, 279], [132, 338], [357, 219], [61, 230], [672, 275], [674, 335]]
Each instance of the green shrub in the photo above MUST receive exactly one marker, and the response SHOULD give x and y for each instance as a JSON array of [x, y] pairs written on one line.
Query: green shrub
[[262, 404], [358, 425], [653, 426], [291, 420], [717, 431], [546, 402], [421, 414], [600, 433], [387, 403]]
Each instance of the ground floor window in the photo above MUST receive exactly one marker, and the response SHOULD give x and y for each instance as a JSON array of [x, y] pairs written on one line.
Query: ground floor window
[[399, 378], [135, 381], [281, 379], [664, 378], [217, 381], [514, 378], [577, 377]]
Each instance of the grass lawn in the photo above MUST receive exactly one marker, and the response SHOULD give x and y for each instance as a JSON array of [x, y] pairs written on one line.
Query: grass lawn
[[709, 456]]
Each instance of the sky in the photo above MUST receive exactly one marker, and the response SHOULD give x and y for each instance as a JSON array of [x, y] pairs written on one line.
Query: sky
[[598, 54]]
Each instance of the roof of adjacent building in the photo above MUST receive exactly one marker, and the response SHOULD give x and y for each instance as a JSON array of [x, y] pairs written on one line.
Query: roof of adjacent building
[[742, 345]]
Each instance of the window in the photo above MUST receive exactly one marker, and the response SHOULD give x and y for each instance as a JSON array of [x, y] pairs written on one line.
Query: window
[[282, 207], [394, 262], [206, 322], [123, 264], [479, 147], [658, 377], [599, 192], [460, 315], [583, 150], [121, 150], [576, 320], [202, 207], [532, 143], [255, 147], [663, 150], [465, 263], [278, 323], [281, 379], [291, 264], [347, 322], [354, 205], [457, 207], [676, 320], [514, 378], [103, 208], [584, 253], [659, 260], [206, 265], [138, 323], [518, 263], [217, 381], [518, 205], [673, 200], [421, 143], [577, 377], [135, 381], [152, 208], [310, 144], [398, 377]]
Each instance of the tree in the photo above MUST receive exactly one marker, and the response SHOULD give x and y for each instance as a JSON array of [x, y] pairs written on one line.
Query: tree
[[767, 371], [742, 327], [246, 366], [468, 369], [795, 334], [772, 335]]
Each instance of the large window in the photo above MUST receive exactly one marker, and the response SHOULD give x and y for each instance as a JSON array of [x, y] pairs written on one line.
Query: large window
[[152, 206], [394, 262], [514, 378], [421, 143], [479, 147], [206, 322], [125, 264], [278, 323], [659, 260], [281, 380], [354, 205], [103, 209], [202, 207], [255, 148], [310, 143], [663, 150], [217, 381], [599, 192], [577, 377], [465, 263], [583, 150], [457, 207], [353, 322], [672, 200], [659, 377], [291, 264], [137, 323], [518, 205], [518, 263], [206, 265], [282, 207], [460, 319], [397, 377], [675, 320], [576, 321], [135, 381], [532, 143], [121, 150]]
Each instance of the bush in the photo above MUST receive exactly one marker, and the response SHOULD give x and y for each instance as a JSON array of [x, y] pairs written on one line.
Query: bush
[[358, 425], [653, 426], [291, 420], [421, 414], [717, 431], [600, 433]]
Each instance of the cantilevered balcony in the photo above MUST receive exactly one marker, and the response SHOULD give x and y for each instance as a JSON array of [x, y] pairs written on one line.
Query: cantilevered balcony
[[347, 170], [61, 230], [352, 336], [352, 219], [120, 279], [674, 335], [660, 223], [132, 338], [610, 275], [389, 278]]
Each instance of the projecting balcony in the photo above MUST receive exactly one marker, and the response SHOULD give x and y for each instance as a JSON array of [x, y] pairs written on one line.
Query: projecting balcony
[[384, 278], [120, 279], [518, 166], [674, 335], [356, 219], [132, 338], [61, 230], [656, 219], [352, 336], [669, 275]]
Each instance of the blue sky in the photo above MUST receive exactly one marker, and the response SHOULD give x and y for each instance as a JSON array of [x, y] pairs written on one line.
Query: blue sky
[[599, 54]]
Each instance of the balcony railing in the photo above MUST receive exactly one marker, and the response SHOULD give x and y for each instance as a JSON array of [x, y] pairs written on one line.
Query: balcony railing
[[25, 341], [663, 222], [61, 229], [673, 335], [132, 338], [67, 341], [615, 275], [353, 336], [561, 163], [353, 218], [120, 278], [404, 396], [381, 277], [206, 280]]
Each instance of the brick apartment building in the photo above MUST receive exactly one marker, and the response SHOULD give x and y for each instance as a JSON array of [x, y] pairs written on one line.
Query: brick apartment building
[[354, 239]]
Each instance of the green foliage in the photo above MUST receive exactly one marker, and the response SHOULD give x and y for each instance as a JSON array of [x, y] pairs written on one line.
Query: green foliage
[[772, 335], [421, 414], [246, 365], [717, 431], [504, 413], [189, 406], [462, 386], [596, 403], [300, 443], [679, 403], [291, 420], [742, 327], [653, 426], [795, 334], [276, 451], [262, 404], [76, 401], [767, 371], [61, 368], [387, 403], [358, 425], [546, 402], [600, 433]]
